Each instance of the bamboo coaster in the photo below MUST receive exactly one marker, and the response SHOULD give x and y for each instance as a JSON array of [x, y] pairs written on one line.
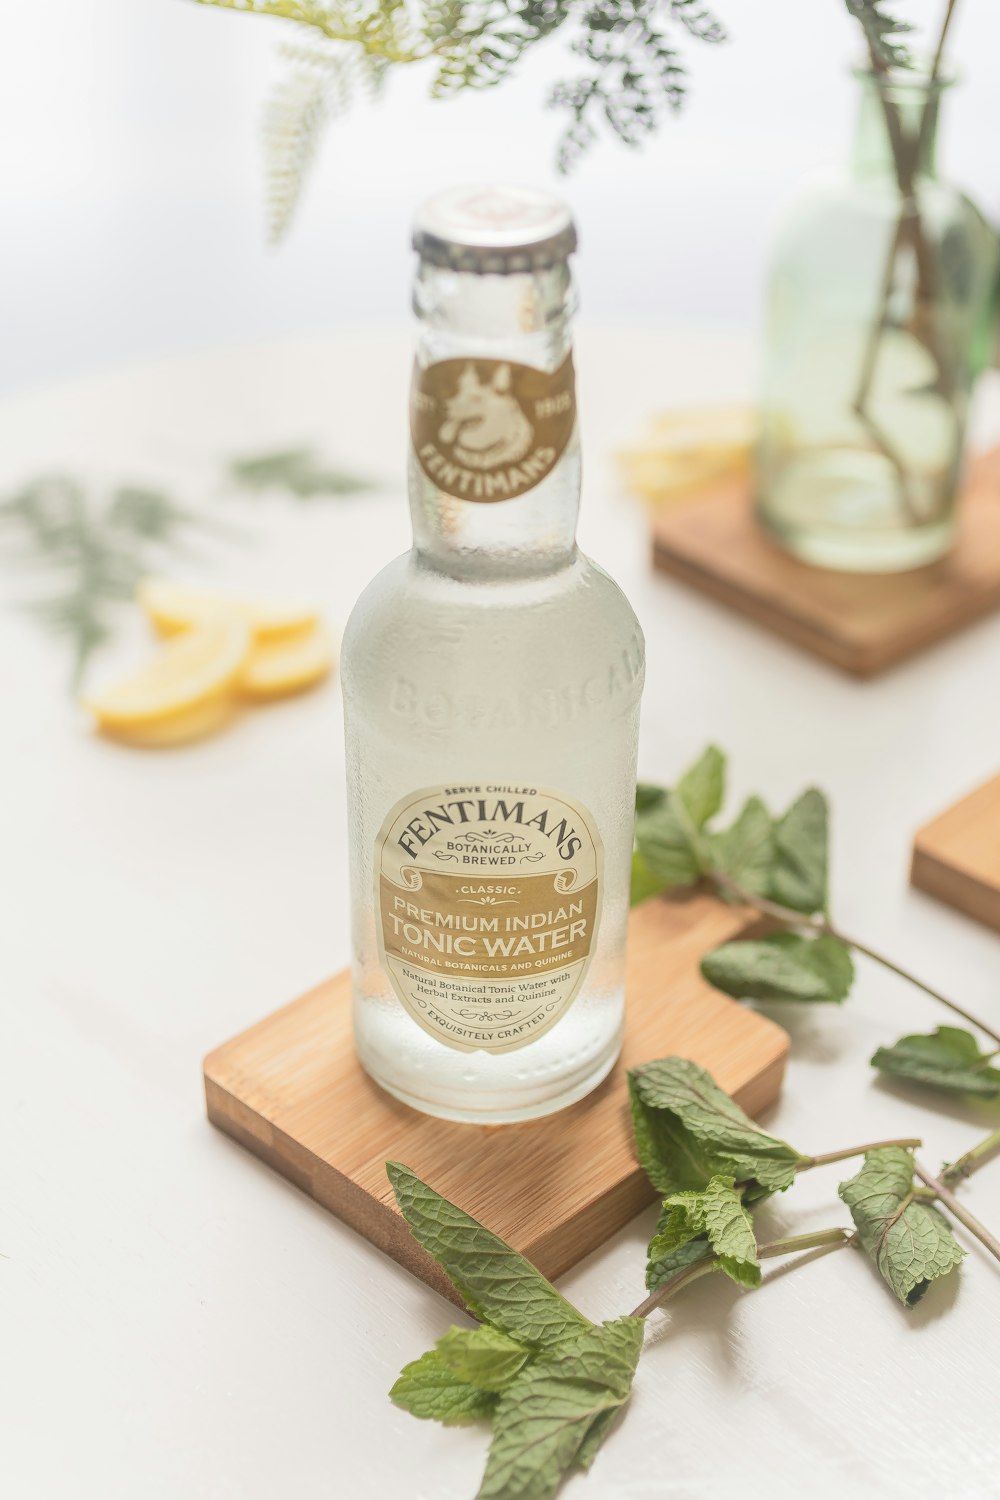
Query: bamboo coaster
[[291, 1090], [862, 623], [956, 857]]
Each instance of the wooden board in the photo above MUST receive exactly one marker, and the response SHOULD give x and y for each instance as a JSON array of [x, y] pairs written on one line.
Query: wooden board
[[860, 622], [292, 1091], [956, 857]]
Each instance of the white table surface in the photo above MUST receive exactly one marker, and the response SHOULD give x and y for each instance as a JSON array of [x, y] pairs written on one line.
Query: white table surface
[[177, 1320]]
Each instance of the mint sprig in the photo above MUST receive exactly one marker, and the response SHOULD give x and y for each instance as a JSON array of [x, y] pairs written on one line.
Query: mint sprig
[[550, 1382], [780, 866]]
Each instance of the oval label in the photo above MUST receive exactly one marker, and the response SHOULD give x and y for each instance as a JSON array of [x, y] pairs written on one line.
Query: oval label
[[488, 429], [488, 902]]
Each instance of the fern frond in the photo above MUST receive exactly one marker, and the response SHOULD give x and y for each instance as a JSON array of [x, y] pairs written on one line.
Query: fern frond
[[317, 86], [882, 32], [637, 76], [380, 27], [698, 20]]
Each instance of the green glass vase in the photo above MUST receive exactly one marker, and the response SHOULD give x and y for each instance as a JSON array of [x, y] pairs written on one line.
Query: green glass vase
[[880, 315]]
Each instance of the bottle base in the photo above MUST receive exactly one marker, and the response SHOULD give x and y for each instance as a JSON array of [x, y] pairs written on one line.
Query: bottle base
[[526, 1109], [874, 554], [840, 509]]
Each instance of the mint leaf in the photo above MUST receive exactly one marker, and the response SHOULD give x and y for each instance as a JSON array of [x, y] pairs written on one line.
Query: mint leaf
[[643, 883], [949, 1058], [909, 1240], [671, 1157], [688, 1130], [647, 795], [668, 826], [799, 874], [783, 966], [427, 1388], [717, 1212], [667, 841], [497, 1284], [482, 1356], [660, 1268], [703, 786], [745, 851], [559, 1410]]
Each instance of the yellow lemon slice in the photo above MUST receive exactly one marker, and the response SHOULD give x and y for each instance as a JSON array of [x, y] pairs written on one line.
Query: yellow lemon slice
[[179, 728], [176, 606], [275, 668], [192, 672]]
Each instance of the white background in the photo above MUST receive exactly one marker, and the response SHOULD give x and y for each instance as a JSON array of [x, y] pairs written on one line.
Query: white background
[[178, 1321], [130, 176]]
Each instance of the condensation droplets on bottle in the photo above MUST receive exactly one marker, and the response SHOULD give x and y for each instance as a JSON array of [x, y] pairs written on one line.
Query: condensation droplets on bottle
[[492, 678]]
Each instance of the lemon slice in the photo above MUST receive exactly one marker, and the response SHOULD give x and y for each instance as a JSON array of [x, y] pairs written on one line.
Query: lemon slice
[[275, 668], [176, 606], [179, 728], [190, 673]]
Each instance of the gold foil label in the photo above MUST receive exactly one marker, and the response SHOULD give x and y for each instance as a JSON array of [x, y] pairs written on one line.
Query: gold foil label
[[487, 901], [486, 429]]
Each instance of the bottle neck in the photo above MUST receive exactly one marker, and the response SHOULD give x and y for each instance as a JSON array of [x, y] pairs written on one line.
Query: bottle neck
[[896, 134], [494, 458]]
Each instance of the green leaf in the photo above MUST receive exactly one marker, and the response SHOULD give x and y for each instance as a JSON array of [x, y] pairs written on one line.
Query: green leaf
[[799, 875], [702, 787], [644, 883], [909, 1240], [688, 1131], [647, 796], [427, 1388], [483, 1356], [949, 1058], [295, 471], [672, 850], [497, 1284], [745, 850], [558, 1411], [668, 843], [660, 1269], [719, 1213], [671, 1157], [783, 966]]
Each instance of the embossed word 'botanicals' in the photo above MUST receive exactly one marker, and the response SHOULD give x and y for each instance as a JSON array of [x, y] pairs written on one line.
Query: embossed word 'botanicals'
[[491, 697]]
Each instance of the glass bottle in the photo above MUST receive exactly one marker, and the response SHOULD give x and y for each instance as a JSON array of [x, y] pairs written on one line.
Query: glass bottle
[[880, 315], [491, 698]]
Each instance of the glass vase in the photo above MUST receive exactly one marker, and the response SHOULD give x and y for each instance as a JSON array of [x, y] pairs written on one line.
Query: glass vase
[[880, 315]]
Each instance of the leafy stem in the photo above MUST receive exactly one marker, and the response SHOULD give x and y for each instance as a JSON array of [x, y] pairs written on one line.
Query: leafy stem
[[972, 1160], [822, 926], [788, 1245], [807, 1162], [958, 1210]]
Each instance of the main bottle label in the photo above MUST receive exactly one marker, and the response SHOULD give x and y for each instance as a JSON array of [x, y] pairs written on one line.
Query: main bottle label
[[487, 429], [487, 902]]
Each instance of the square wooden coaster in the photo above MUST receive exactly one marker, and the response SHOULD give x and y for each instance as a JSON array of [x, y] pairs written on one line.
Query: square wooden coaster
[[292, 1091], [860, 622], [956, 857]]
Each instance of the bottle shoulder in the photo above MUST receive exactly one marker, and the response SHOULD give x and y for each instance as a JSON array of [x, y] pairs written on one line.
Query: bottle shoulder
[[569, 639], [407, 595]]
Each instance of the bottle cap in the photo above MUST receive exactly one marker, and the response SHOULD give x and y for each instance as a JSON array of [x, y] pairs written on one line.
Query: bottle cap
[[494, 230]]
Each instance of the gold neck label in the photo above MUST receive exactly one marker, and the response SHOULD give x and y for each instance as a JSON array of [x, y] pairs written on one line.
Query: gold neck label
[[487, 905], [487, 429]]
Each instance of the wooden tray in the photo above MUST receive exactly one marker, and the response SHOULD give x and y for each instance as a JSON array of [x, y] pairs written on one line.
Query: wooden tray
[[861, 623], [956, 857], [291, 1090]]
